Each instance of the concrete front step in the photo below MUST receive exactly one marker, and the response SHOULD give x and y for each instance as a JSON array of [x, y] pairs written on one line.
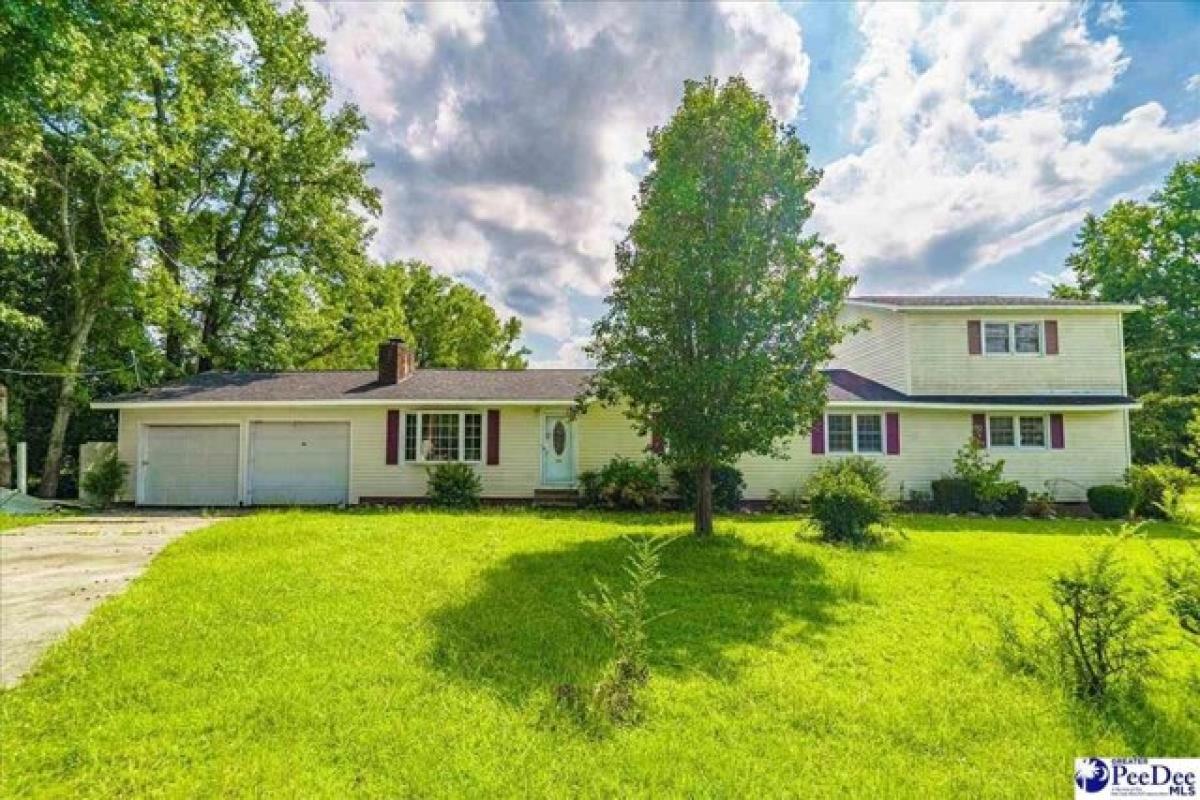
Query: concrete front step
[[555, 498]]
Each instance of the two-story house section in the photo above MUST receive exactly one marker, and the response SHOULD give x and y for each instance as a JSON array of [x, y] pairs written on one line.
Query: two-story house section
[[1040, 382]]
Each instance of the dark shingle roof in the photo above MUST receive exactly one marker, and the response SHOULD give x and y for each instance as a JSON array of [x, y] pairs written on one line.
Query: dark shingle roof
[[549, 385], [974, 300], [424, 384]]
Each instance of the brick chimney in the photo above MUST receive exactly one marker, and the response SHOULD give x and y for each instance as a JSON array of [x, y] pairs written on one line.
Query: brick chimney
[[396, 361]]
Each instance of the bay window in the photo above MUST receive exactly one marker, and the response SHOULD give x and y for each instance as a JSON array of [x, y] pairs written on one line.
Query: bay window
[[443, 436]]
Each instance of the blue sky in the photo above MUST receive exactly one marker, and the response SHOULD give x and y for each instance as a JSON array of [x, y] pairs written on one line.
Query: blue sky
[[962, 144]]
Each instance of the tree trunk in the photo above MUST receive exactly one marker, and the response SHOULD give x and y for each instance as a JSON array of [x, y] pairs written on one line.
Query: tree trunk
[[5, 461], [166, 237], [63, 406], [704, 507]]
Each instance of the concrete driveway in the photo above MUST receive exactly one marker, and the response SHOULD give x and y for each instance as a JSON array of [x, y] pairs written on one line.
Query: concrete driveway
[[52, 575]]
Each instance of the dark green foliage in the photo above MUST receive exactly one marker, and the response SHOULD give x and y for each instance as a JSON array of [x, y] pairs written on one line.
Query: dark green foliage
[[1158, 431], [1154, 484], [1012, 500], [1111, 501], [627, 484], [846, 502], [919, 501], [727, 487], [953, 496], [454, 486], [724, 310], [104, 481], [791, 501], [1040, 505], [590, 489]]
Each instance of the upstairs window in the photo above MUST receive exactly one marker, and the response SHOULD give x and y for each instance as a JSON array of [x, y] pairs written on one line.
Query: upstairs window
[[1003, 338], [995, 338]]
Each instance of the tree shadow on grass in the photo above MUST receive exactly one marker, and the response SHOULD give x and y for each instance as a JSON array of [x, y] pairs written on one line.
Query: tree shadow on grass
[[524, 631]]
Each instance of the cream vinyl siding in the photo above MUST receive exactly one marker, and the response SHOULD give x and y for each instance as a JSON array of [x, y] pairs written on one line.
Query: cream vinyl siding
[[600, 434], [1088, 360], [879, 352], [1096, 453]]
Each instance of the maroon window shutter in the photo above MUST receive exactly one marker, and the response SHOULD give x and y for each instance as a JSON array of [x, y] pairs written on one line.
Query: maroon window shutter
[[974, 337], [979, 428], [493, 436], [392, 452], [656, 443], [893, 433], [1058, 433], [1051, 326], [818, 436]]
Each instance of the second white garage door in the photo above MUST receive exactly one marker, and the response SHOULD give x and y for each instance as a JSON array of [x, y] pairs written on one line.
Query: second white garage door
[[299, 463]]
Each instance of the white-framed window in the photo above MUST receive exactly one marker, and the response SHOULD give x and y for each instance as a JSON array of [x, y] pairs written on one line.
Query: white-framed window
[[1023, 431], [854, 433], [1005, 338], [438, 437]]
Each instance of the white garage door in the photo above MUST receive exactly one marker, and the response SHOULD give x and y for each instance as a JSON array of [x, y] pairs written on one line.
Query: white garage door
[[299, 463], [190, 465]]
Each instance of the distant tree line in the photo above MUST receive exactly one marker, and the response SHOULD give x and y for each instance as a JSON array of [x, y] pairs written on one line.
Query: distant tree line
[[177, 191]]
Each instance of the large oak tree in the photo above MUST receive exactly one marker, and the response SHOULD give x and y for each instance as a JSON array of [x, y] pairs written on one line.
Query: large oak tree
[[723, 311]]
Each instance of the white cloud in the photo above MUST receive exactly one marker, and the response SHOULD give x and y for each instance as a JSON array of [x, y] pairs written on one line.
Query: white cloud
[[1046, 280], [971, 149], [1193, 83], [1112, 14], [504, 135]]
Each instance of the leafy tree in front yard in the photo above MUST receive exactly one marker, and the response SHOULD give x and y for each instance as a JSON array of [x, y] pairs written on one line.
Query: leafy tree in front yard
[[723, 312]]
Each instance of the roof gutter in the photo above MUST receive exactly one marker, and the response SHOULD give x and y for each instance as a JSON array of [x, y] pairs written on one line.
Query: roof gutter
[[120, 405], [1124, 308]]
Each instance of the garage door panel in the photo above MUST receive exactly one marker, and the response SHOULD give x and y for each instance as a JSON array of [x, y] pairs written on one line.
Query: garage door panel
[[191, 465], [299, 463]]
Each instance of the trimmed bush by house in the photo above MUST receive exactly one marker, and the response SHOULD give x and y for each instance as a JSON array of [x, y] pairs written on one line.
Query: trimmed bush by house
[[846, 501], [789, 501], [1111, 501], [727, 486], [953, 496], [1010, 500], [454, 486], [622, 484], [1152, 483], [104, 480]]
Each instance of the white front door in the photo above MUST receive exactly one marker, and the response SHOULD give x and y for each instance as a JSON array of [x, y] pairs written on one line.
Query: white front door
[[299, 463], [558, 450]]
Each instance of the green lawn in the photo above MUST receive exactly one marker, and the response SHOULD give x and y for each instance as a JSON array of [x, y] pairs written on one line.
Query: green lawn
[[414, 654]]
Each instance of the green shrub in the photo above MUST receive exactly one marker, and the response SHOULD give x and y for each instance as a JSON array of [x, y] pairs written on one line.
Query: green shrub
[[1098, 631], [790, 501], [1009, 499], [953, 496], [627, 484], [845, 505], [625, 618], [1111, 501], [454, 486], [872, 473], [988, 487], [1095, 638], [1040, 505], [1182, 582], [590, 489], [727, 485], [105, 479], [1153, 483], [920, 501]]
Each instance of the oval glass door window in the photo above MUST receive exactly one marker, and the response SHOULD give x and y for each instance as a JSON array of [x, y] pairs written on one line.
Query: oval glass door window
[[559, 437]]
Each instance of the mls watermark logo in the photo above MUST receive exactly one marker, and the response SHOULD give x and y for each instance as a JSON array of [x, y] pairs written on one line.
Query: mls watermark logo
[[1131, 778]]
